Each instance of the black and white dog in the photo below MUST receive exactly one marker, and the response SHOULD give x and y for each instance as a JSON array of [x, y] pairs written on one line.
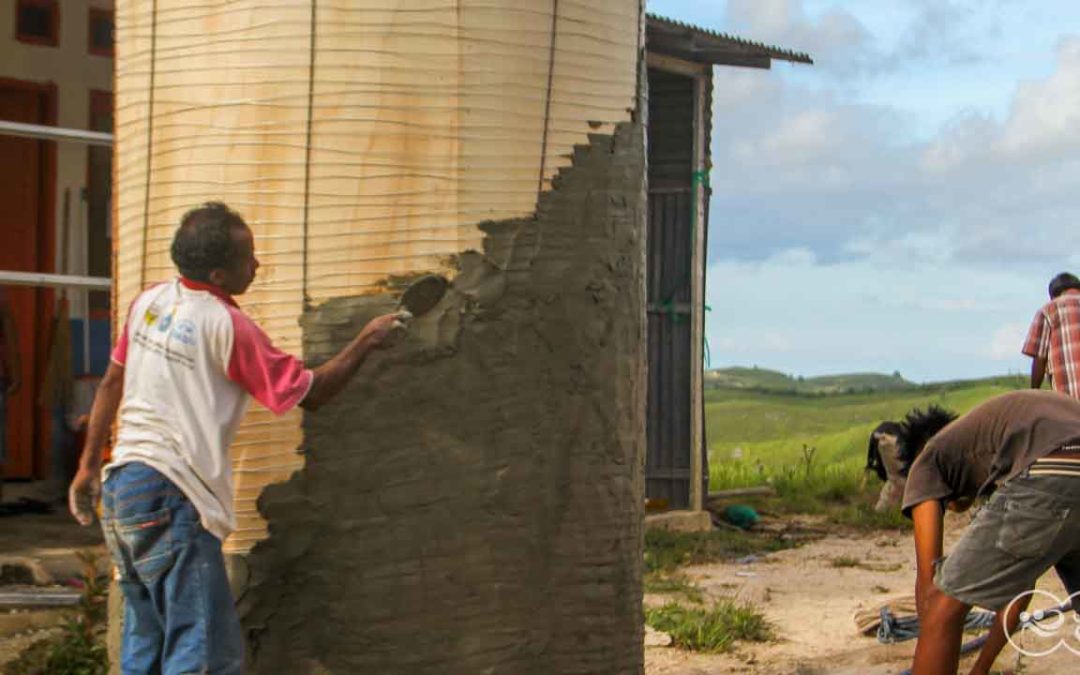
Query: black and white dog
[[894, 447]]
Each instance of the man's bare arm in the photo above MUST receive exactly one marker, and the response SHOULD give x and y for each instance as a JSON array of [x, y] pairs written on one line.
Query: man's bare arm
[[1038, 371], [86, 488], [927, 519], [332, 376]]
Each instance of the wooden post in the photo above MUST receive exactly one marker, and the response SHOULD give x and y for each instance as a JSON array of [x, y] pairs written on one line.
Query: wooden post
[[697, 298]]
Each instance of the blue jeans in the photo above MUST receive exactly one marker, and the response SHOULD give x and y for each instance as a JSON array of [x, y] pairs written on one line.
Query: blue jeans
[[179, 616]]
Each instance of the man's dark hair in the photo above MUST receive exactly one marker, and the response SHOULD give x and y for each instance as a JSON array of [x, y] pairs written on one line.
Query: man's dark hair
[[916, 429], [911, 434], [204, 240], [1062, 283]]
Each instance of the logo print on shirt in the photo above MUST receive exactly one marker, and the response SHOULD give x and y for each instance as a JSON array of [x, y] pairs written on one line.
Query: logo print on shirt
[[184, 332], [165, 322], [151, 316]]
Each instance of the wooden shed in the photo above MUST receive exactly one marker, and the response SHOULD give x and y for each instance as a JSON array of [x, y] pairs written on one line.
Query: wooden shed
[[680, 60]]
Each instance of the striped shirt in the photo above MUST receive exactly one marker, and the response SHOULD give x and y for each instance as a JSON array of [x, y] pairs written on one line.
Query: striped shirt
[[1055, 336]]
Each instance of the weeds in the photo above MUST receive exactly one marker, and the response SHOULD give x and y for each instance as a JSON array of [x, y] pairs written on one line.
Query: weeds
[[80, 648], [714, 629], [848, 561], [665, 551], [862, 515], [672, 584], [814, 484]]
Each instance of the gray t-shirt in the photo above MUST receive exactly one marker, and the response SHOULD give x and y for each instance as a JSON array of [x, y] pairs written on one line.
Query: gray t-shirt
[[994, 442]]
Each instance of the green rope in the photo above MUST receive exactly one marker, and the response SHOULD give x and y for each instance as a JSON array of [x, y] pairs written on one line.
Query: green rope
[[700, 179], [705, 340], [667, 307]]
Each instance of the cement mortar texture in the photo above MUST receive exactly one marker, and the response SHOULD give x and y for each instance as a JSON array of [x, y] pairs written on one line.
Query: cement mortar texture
[[473, 501]]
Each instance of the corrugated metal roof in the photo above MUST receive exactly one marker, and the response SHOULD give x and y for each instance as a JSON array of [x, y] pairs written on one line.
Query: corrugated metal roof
[[667, 36]]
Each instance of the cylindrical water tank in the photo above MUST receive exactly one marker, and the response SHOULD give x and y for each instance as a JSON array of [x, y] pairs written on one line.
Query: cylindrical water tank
[[359, 138]]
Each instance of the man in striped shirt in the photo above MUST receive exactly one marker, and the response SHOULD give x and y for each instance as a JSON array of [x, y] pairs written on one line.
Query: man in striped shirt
[[1053, 341]]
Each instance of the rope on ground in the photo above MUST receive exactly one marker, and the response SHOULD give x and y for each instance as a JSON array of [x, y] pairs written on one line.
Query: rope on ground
[[902, 628]]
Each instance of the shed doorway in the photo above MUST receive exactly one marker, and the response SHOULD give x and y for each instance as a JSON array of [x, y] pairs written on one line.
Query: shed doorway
[[675, 282]]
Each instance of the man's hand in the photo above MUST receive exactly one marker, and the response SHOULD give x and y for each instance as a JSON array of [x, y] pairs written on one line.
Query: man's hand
[[85, 490], [379, 331], [83, 495], [330, 378]]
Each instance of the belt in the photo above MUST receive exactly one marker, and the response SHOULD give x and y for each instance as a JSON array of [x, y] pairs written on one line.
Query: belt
[[1063, 462]]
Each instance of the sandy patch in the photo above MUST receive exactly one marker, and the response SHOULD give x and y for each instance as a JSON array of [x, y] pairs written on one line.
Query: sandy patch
[[812, 602]]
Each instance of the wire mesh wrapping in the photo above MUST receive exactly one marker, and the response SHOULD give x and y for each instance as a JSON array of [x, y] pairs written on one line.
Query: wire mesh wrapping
[[359, 138]]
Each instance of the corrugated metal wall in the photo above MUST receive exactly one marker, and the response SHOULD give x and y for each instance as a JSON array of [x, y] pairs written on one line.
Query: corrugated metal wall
[[359, 138], [670, 255]]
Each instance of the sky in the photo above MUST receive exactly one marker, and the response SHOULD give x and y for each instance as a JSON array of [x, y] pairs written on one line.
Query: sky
[[902, 204]]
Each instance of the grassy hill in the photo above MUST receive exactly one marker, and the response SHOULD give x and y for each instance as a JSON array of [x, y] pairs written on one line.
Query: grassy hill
[[816, 443], [765, 380]]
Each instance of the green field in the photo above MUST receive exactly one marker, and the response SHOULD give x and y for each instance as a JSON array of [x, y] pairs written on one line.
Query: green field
[[813, 447]]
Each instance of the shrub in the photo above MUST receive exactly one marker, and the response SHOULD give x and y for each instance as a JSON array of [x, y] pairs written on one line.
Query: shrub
[[713, 629]]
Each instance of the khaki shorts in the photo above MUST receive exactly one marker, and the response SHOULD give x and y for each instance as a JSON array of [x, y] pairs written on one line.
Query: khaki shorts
[[1032, 523]]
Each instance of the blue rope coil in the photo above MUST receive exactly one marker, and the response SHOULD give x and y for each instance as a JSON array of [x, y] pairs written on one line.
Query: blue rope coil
[[895, 629]]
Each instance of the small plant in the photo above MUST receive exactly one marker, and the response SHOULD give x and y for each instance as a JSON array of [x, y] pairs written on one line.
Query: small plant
[[808, 452], [846, 561], [714, 629], [658, 582], [665, 551], [862, 515], [80, 648]]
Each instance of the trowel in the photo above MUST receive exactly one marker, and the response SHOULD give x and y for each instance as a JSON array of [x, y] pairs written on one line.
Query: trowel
[[423, 295]]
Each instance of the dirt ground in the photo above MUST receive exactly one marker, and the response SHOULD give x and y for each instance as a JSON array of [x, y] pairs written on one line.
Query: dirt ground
[[46, 543], [812, 602], [802, 591]]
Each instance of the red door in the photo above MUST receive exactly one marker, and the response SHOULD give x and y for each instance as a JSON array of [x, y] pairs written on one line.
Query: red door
[[27, 177]]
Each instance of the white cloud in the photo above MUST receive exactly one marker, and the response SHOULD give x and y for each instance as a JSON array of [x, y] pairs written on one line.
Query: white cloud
[[801, 138], [928, 321], [902, 203], [940, 30], [1045, 117], [1006, 341], [839, 42], [1042, 125], [776, 342], [793, 257], [907, 248], [804, 167], [968, 134]]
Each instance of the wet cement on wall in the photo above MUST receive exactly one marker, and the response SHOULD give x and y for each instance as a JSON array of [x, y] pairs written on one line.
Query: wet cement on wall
[[472, 502]]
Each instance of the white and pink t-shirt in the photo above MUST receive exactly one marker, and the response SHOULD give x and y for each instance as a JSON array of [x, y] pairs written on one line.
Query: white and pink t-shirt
[[191, 359]]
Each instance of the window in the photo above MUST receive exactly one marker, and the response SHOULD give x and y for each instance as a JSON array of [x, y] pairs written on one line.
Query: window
[[99, 202], [101, 32], [38, 22]]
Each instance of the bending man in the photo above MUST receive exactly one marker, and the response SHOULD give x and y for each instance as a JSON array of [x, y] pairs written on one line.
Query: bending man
[[1024, 447]]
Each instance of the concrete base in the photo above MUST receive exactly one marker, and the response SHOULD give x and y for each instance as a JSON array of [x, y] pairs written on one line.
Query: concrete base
[[680, 521]]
